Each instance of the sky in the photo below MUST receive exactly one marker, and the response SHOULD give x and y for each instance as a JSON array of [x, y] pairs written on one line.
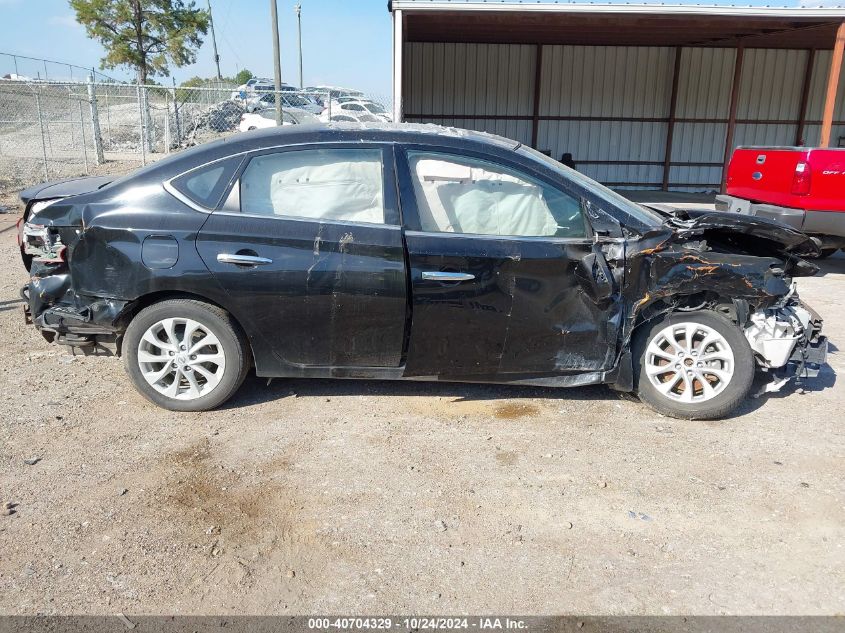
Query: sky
[[345, 42]]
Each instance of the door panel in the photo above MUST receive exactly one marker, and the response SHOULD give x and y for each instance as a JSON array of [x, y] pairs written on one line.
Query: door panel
[[525, 311], [317, 290], [541, 302], [334, 294]]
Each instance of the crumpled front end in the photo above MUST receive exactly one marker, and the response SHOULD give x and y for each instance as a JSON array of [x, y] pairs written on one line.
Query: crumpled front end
[[787, 342], [742, 270]]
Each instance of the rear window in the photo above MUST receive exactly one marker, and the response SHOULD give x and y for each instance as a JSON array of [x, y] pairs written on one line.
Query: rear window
[[205, 185]]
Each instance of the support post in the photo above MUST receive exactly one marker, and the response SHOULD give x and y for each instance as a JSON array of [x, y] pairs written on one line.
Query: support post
[[142, 134], [805, 97], [670, 126], [832, 85], [95, 122], [214, 42], [729, 136], [277, 62], [176, 115], [82, 133], [167, 141], [538, 75], [398, 51], [41, 126], [298, 9]]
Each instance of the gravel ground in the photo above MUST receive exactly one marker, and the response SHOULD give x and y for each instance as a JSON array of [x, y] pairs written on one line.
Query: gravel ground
[[313, 496]]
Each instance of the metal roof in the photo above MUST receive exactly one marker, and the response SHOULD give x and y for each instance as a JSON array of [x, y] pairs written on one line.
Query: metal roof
[[810, 9]]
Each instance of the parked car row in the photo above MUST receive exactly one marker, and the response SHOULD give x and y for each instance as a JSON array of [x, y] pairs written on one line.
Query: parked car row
[[327, 103], [268, 100]]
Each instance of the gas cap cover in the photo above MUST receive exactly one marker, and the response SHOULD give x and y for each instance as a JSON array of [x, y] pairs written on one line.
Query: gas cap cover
[[159, 251]]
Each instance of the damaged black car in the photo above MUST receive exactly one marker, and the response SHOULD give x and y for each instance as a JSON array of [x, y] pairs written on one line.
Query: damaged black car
[[413, 252]]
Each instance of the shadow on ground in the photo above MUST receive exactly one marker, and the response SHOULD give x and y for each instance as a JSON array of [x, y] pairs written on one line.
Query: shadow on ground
[[833, 265], [255, 390]]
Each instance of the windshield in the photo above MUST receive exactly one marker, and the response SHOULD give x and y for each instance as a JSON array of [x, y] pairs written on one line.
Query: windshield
[[374, 108], [638, 212]]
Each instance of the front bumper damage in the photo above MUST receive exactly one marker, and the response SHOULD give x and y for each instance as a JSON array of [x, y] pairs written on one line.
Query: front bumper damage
[[787, 342]]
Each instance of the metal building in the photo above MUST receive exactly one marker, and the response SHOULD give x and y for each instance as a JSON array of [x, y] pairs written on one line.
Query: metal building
[[643, 96]]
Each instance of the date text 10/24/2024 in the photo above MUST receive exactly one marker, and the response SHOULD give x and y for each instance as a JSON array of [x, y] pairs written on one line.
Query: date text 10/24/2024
[[417, 623]]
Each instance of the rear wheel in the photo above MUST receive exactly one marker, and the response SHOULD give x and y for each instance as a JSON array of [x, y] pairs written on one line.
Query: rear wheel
[[693, 365], [185, 355]]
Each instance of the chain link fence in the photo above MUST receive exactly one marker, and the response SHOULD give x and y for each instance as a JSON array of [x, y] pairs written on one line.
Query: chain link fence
[[54, 130]]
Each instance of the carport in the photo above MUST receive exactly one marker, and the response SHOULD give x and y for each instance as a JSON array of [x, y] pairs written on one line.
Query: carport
[[642, 96]]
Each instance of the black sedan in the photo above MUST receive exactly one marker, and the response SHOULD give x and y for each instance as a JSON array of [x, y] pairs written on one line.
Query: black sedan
[[410, 252]]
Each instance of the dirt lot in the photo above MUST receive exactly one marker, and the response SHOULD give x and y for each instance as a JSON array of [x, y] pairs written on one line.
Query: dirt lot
[[315, 496]]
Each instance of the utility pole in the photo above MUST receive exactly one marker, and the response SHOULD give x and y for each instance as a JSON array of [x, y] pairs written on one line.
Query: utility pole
[[277, 61], [298, 9], [214, 42]]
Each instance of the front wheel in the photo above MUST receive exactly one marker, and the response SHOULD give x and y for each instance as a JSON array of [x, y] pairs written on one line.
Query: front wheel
[[185, 355], [693, 365]]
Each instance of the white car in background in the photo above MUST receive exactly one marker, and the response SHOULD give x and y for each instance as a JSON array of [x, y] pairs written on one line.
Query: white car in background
[[256, 83], [336, 92], [364, 110], [267, 118], [289, 100]]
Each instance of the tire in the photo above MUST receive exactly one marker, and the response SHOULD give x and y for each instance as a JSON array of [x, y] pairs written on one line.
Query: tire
[[727, 366], [160, 330]]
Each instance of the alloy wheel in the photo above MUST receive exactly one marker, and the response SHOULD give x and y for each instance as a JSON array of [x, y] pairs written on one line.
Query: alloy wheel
[[689, 362], [181, 358]]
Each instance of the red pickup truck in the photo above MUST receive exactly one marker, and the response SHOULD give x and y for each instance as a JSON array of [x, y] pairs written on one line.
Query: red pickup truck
[[800, 186]]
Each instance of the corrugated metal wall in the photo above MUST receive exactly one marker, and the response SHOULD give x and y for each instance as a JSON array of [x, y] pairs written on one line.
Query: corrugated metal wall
[[815, 105], [472, 79], [628, 89], [704, 92], [613, 82]]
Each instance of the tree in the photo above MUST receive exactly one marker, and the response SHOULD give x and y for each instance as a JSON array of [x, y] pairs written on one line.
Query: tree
[[243, 76], [148, 35]]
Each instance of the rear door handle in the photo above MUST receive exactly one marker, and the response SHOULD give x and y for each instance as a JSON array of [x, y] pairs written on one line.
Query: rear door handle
[[442, 275], [243, 260]]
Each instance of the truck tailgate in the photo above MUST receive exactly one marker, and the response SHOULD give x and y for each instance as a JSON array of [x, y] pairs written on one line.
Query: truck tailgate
[[767, 175]]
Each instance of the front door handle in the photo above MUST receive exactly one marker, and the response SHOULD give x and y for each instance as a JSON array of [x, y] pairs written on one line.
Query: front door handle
[[442, 275], [243, 260]]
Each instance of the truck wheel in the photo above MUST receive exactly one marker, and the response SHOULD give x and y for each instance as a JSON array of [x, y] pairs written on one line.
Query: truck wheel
[[185, 355], [693, 365]]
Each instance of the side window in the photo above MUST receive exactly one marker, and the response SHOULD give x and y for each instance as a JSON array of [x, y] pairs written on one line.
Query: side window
[[458, 194], [205, 185], [321, 184], [352, 106]]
